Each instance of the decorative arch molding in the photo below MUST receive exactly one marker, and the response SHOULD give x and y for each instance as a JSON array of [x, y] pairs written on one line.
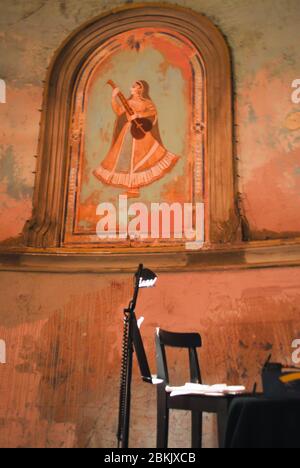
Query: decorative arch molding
[[46, 228]]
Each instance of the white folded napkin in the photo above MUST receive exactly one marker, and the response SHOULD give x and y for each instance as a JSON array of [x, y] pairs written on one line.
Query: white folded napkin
[[199, 389]]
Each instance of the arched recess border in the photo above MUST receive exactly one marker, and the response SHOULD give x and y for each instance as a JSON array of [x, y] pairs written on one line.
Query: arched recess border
[[45, 229]]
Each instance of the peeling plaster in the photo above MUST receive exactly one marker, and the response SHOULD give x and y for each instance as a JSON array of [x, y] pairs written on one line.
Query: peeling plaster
[[64, 348], [256, 31], [10, 175], [252, 117], [292, 121], [53, 393], [265, 57]]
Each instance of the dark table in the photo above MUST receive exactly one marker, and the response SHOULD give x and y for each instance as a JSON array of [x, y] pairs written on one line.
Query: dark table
[[259, 422]]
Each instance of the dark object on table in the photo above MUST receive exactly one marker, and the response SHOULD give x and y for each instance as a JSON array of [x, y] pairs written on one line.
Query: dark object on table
[[263, 423], [280, 382]]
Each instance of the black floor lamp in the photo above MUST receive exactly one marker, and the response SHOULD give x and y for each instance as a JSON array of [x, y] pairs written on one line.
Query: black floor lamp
[[132, 341]]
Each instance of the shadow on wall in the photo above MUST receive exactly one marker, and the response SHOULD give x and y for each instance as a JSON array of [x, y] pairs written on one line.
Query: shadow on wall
[[78, 358]]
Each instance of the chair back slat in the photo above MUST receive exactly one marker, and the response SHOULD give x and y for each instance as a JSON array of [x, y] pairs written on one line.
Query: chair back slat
[[195, 372], [180, 340], [161, 360], [189, 341]]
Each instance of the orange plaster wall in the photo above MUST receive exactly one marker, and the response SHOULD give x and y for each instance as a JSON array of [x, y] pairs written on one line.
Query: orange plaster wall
[[63, 333], [269, 149], [265, 63]]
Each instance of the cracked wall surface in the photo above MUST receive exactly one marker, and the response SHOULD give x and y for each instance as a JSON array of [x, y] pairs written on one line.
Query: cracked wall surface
[[63, 334], [262, 38]]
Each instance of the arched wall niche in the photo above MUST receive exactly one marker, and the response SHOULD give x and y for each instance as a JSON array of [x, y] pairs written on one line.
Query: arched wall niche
[[56, 217]]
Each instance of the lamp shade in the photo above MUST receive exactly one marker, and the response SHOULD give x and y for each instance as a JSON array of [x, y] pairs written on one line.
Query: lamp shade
[[147, 279]]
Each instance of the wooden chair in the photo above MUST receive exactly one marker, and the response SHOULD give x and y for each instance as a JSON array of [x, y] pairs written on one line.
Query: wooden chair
[[197, 404], [190, 341]]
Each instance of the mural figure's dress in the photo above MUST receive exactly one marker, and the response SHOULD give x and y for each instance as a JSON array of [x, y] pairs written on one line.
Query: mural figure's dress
[[133, 163]]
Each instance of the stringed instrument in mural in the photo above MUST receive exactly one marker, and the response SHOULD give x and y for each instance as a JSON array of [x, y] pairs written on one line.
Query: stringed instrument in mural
[[139, 126]]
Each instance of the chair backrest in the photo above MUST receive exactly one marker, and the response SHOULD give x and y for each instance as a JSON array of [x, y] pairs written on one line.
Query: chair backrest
[[190, 341]]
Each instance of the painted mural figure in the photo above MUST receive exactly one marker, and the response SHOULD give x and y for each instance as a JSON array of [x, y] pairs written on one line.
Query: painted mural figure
[[137, 156]]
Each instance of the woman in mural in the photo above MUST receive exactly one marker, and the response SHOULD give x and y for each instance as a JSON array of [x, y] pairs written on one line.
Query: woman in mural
[[137, 156]]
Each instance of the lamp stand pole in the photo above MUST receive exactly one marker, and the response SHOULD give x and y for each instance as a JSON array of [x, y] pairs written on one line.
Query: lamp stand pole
[[126, 369]]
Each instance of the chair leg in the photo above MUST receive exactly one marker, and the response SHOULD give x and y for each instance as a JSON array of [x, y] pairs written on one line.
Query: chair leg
[[196, 429], [162, 429], [222, 424]]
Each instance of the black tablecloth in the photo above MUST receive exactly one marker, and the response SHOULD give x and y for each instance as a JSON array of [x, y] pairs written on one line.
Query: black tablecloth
[[263, 423]]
